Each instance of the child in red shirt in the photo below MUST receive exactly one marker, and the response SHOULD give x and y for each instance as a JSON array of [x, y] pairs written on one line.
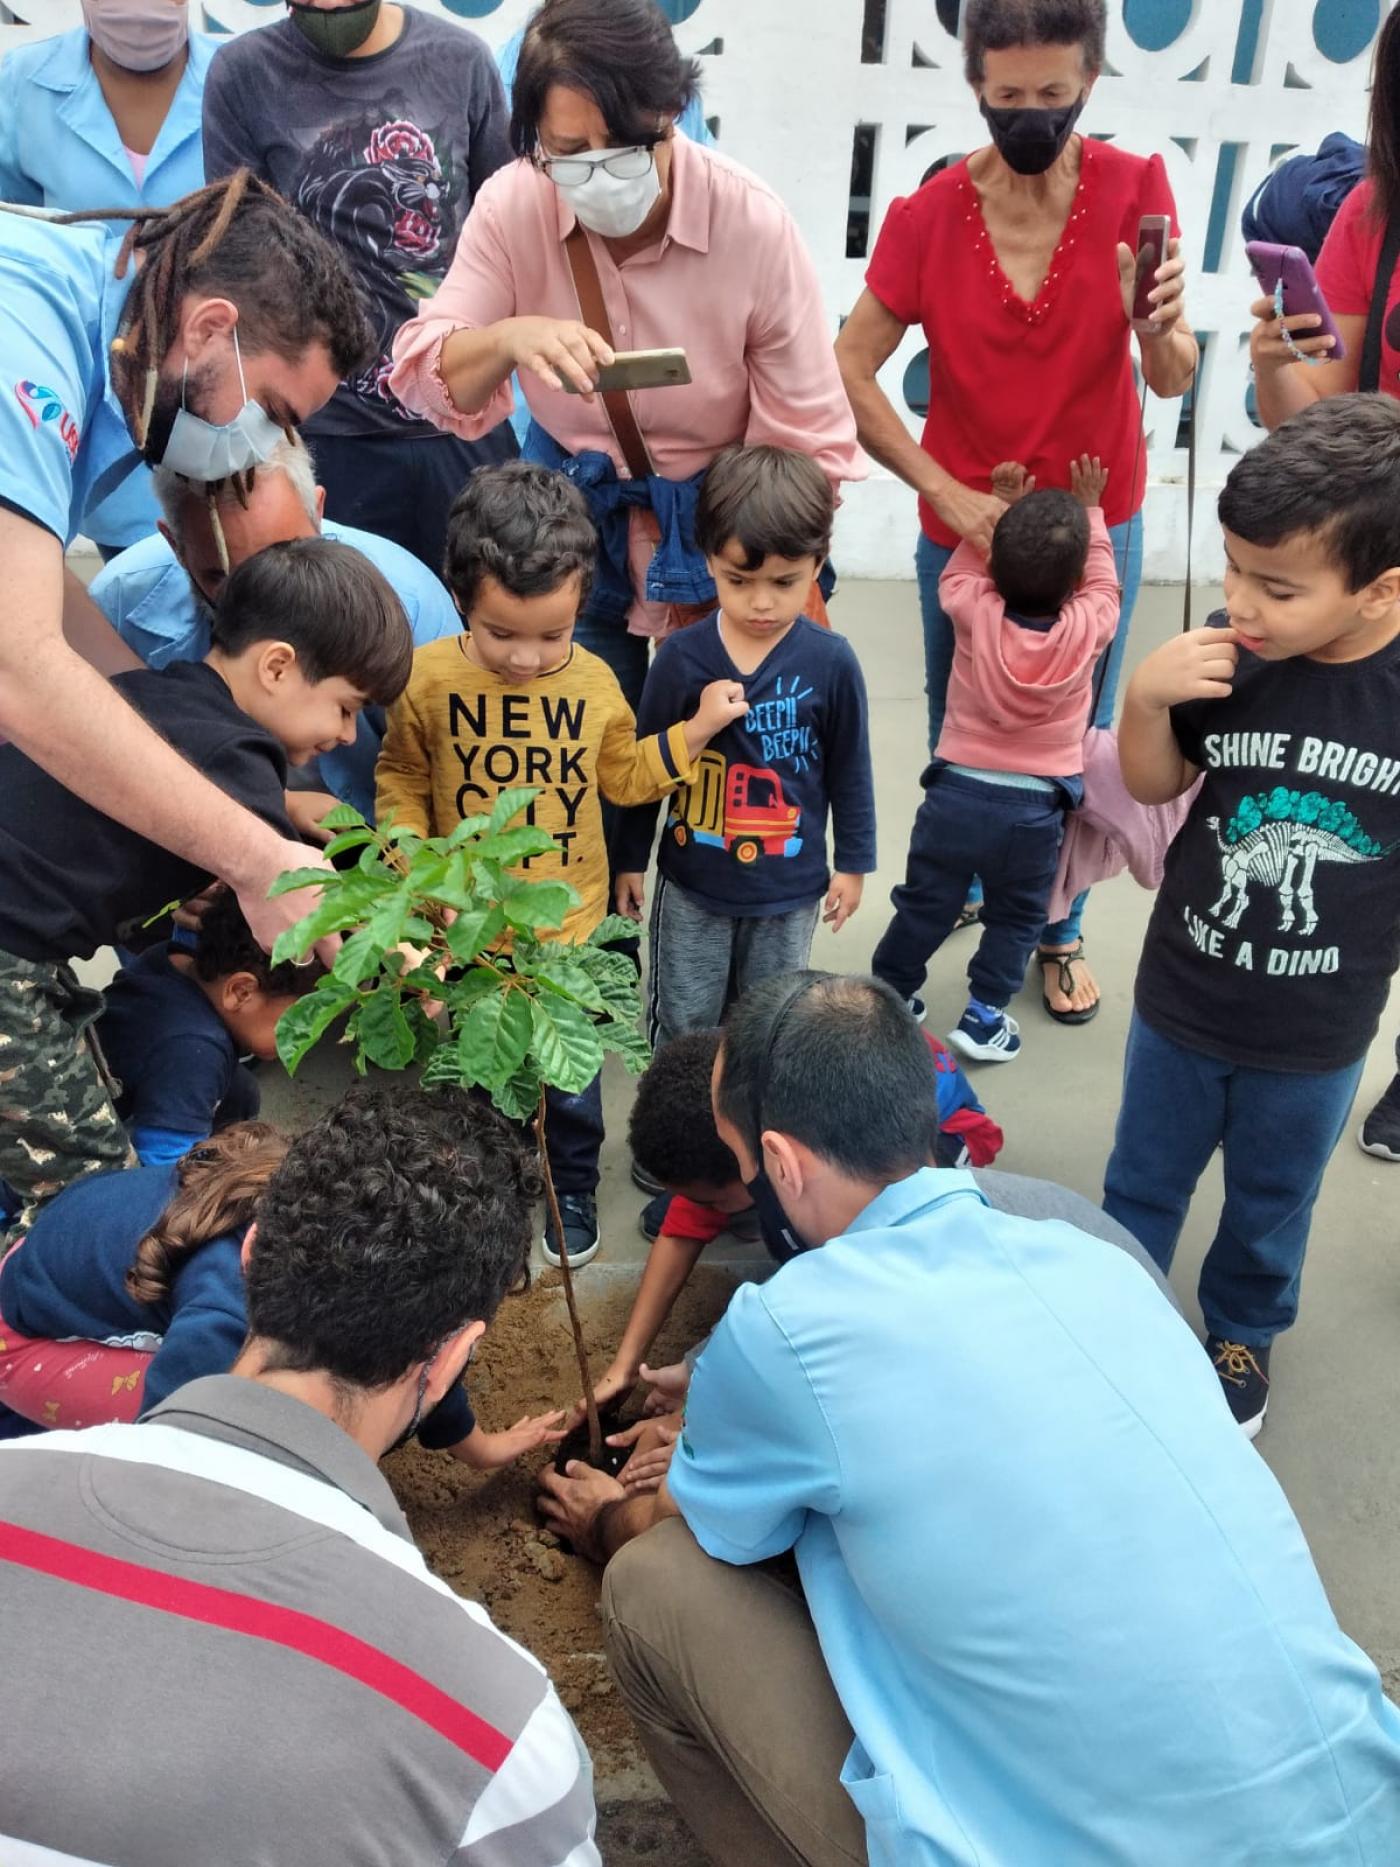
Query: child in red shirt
[[1029, 625]]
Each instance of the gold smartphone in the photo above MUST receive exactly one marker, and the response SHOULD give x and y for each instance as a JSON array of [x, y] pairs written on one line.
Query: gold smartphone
[[638, 369]]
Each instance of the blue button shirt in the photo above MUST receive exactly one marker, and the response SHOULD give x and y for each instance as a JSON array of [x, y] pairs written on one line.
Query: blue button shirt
[[60, 148], [146, 596], [1067, 1608], [62, 429]]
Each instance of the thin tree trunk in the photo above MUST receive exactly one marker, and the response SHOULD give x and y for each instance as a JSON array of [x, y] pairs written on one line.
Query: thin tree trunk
[[595, 1430]]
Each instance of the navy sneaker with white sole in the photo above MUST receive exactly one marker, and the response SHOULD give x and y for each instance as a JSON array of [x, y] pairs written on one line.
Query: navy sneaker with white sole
[[986, 1040], [1244, 1381], [579, 1212], [1380, 1132]]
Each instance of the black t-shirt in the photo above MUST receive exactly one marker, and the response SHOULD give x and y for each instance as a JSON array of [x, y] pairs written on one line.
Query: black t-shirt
[[383, 154], [1277, 928], [72, 879]]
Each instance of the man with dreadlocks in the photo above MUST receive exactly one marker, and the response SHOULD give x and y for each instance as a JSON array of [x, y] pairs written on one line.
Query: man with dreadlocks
[[224, 321]]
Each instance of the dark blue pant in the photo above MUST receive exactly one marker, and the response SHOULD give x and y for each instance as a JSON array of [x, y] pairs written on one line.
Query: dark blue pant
[[1011, 838], [403, 487], [574, 1136], [1278, 1129]]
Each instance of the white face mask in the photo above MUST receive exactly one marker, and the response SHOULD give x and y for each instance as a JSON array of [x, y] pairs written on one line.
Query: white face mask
[[610, 206], [203, 451]]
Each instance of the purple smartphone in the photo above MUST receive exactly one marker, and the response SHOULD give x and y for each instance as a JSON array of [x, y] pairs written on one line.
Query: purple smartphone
[[1301, 291]]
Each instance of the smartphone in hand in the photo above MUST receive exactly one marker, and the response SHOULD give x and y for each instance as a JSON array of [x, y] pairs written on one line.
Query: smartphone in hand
[[638, 369], [1301, 291], [1154, 232]]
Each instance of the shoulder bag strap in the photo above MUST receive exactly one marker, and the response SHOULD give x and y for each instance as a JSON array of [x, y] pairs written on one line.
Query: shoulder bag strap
[[1370, 376], [1194, 395], [588, 287]]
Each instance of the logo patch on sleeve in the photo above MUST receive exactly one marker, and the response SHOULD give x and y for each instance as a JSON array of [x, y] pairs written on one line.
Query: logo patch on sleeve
[[43, 405]]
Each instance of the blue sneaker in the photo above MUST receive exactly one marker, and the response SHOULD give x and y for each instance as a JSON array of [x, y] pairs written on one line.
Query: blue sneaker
[[579, 1212], [986, 1040], [918, 1009]]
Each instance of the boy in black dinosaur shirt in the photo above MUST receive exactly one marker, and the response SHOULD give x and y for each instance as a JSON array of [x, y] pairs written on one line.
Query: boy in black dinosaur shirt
[[742, 870], [304, 635], [1277, 928]]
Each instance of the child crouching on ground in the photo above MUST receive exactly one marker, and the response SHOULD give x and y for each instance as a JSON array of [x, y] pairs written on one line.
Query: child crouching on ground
[[1029, 626], [514, 701], [303, 636], [175, 1026], [131, 1284], [1277, 928]]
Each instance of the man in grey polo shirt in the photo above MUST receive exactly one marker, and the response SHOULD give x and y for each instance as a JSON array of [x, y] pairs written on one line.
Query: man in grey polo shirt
[[218, 1644]]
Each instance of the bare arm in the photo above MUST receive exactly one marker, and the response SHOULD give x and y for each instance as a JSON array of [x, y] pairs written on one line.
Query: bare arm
[[868, 339], [669, 1263], [88, 632], [67, 717]]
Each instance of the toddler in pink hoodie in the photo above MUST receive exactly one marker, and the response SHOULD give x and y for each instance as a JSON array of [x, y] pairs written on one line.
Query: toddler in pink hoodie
[[1029, 625]]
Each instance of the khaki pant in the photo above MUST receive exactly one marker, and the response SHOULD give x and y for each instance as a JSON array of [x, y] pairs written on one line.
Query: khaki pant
[[721, 1670]]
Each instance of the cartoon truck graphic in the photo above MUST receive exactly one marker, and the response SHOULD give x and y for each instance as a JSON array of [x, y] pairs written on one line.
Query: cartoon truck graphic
[[737, 808]]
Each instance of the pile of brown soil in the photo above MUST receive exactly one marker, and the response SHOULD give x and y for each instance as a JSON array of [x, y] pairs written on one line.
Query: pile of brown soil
[[479, 1531]]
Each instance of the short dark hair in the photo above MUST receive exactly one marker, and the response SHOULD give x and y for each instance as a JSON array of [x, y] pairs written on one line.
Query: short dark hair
[[330, 604], [1333, 469], [621, 53], [671, 1129], [225, 945], [997, 25], [773, 501], [1039, 549], [837, 1062], [399, 1217], [525, 525]]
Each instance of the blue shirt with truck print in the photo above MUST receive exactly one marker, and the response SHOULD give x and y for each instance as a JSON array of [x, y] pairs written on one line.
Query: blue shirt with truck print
[[748, 837]]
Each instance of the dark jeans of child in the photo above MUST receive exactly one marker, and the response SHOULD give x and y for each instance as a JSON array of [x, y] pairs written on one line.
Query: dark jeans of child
[[1277, 1128], [402, 486], [1008, 836], [574, 1135]]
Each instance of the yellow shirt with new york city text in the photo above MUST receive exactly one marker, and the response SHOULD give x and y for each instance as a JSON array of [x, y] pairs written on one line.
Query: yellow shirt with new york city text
[[458, 735]]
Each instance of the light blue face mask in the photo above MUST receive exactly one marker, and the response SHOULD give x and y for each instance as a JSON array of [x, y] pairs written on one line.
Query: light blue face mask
[[203, 451]]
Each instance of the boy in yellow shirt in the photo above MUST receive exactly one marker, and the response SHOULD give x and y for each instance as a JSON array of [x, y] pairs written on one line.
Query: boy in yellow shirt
[[513, 701]]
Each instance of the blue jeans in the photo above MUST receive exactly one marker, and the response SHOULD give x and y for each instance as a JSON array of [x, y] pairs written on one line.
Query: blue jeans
[[1278, 1129], [1011, 838], [929, 563]]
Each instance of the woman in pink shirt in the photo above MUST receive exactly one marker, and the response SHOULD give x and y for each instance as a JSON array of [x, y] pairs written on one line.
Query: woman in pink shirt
[[689, 249]]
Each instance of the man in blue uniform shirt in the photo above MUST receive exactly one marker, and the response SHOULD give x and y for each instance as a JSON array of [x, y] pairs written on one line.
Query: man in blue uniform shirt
[[232, 319], [1060, 1610], [158, 594]]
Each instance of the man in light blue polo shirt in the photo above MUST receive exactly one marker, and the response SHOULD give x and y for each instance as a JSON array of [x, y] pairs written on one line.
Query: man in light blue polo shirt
[[158, 594], [1063, 1613]]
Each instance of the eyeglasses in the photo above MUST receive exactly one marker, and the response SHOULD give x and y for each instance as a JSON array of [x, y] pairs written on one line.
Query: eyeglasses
[[628, 165]]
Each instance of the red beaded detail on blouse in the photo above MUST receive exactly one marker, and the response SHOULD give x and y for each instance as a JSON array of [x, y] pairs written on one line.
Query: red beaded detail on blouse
[[1038, 309]]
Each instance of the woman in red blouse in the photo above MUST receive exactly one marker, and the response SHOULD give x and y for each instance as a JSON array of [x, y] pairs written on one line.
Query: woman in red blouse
[[1018, 263]]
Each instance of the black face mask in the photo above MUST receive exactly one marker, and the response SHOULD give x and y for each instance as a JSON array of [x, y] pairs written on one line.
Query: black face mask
[[1030, 140], [780, 1235]]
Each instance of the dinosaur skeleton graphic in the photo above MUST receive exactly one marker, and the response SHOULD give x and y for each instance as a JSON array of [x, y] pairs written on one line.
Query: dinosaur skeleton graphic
[[1282, 856]]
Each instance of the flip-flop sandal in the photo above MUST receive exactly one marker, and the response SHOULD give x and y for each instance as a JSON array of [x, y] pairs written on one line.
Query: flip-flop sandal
[[1065, 981]]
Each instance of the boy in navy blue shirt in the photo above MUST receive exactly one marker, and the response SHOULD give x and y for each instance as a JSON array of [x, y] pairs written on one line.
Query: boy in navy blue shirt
[[742, 868], [175, 1026]]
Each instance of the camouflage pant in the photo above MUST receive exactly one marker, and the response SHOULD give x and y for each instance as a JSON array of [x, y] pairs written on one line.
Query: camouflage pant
[[57, 1119]]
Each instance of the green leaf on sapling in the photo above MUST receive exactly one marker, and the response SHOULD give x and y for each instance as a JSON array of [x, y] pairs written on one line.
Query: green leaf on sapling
[[509, 804], [571, 981], [627, 1042], [344, 817], [308, 1018], [383, 1030], [358, 958], [472, 932], [493, 1038], [291, 879], [349, 839], [461, 993], [442, 1065], [567, 1047], [520, 1097], [538, 904], [513, 846], [465, 831], [611, 928]]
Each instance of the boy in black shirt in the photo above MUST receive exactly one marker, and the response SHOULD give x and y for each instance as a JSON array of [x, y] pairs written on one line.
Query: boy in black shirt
[[1277, 929], [304, 635]]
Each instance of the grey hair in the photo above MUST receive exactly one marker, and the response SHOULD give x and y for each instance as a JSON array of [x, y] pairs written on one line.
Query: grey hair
[[291, 456]]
